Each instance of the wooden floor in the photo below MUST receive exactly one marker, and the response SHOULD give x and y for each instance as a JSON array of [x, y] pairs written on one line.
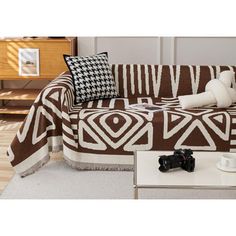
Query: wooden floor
[[8, 128]]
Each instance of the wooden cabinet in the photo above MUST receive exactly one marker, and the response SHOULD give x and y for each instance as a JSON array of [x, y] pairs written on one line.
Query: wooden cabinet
[[51, 64]]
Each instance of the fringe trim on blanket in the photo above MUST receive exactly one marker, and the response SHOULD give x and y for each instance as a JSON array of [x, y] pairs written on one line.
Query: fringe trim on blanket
[[35, 167], [98, 166], [78, 165]]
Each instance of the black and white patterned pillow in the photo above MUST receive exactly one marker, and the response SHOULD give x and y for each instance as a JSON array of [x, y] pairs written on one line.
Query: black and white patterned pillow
[[92, 77]]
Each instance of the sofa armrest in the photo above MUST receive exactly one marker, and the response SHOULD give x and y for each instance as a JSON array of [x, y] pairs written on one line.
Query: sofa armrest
[[64, 80], [42, 129], [59, 93]]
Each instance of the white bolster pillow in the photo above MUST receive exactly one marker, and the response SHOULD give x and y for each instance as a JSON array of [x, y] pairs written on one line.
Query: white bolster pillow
[[197, 100]]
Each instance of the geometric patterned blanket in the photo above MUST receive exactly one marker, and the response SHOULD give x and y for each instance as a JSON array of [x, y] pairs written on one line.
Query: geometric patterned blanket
[[103, 134]]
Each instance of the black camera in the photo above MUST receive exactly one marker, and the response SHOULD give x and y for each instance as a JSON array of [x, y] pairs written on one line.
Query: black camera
[[181, 158]]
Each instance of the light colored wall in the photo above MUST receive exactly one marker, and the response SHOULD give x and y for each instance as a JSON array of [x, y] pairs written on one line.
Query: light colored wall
[[86, 46], [125, 50], [163, 50], [215, 51]]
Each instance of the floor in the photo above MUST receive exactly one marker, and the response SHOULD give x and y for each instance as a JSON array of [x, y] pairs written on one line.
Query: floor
[[8, 128], [57, 180]]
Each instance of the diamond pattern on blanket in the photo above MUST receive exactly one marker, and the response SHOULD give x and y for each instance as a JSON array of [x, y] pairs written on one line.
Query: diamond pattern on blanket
[[92, 77]]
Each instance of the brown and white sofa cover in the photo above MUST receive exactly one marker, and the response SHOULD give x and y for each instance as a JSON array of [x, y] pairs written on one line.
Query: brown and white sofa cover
[[103, 134]]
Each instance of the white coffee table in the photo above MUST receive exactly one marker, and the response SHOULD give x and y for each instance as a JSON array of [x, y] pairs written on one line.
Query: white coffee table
[[205, 182]]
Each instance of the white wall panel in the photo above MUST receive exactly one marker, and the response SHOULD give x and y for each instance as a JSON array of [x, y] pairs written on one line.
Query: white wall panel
[[202, 50], [166, 50], [86, 46], [134, 50]]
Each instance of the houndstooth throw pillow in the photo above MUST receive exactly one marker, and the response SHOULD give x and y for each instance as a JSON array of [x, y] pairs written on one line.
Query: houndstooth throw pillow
[[92, 77]]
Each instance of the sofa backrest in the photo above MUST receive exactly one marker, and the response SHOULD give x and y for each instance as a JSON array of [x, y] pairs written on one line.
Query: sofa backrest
[[164, 80]]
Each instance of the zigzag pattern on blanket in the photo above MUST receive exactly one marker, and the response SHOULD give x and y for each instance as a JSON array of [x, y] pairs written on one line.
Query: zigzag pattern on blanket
[[164, 80]]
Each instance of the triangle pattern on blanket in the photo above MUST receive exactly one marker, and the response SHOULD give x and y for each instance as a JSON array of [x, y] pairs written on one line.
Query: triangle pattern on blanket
[[88, 138], [43, 123], [174, 117], [196, 137], [219, 122], [173, 122], [55, 96], [218, 118]]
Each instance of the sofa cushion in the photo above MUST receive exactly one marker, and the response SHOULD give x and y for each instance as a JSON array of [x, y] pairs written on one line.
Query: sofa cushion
[[92, 77], [111, 127]]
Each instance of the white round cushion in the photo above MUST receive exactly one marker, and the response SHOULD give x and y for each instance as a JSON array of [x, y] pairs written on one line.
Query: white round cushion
[[232, 93], [227, 77], [220, 91]]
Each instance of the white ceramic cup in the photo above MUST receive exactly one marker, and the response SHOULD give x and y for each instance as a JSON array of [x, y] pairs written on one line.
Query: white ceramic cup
[[228, 160]]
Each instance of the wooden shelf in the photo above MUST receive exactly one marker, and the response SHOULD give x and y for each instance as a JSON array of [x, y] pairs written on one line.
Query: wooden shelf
[[14, 110], [51, 61], [19, 94]]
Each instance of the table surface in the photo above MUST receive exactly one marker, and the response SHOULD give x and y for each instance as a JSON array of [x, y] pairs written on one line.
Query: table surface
[[205, 175]]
